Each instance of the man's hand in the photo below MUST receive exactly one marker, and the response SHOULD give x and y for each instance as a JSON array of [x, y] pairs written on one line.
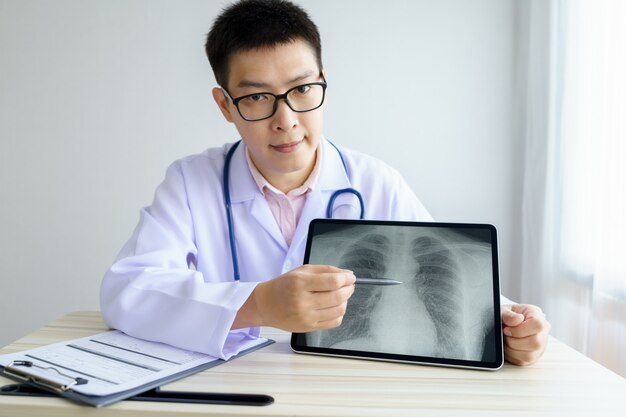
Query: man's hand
[[525, 331], [310, 297]]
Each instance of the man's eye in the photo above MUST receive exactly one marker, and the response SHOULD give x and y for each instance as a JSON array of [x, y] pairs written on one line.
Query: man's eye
[[303, 89], [255, 98]]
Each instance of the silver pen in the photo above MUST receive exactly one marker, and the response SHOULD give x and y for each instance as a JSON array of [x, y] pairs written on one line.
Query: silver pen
[[377, 281]]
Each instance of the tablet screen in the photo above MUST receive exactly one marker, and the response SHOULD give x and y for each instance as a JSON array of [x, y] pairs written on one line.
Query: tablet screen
[[444, 311]]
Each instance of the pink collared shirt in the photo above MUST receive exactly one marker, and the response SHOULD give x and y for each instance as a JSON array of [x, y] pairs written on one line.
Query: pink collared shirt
[[288, 207]]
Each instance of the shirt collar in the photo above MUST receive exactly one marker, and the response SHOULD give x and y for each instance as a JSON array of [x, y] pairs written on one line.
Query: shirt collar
[[307, 186], [332, 175]]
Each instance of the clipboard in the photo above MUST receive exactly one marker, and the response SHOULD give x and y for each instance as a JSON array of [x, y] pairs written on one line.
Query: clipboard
[[26, 367]]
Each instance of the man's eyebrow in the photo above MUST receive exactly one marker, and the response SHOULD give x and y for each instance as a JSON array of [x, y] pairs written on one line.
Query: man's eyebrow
[[257, 84], [301, 77], [248, 83]]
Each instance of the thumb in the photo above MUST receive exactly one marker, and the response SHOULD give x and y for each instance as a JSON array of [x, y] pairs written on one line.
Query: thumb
[[511, 318]]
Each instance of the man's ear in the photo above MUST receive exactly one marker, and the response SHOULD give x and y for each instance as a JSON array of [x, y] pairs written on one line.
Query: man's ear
[[325, 79], [223, 103]]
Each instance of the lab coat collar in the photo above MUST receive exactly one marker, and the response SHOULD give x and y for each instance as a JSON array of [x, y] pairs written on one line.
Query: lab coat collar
[[243, 189], [332, 175], [242, 184]]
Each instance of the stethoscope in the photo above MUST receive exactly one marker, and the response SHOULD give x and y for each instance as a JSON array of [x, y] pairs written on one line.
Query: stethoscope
[[229, 211]]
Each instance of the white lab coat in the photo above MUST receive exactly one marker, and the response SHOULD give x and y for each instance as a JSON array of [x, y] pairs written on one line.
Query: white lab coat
[[151, 291]]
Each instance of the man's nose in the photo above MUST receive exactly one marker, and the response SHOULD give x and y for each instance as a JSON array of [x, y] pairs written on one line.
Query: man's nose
[[284, 119]]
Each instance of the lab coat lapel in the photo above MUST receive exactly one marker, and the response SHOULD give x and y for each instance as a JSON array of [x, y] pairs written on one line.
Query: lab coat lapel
[[261, 212], [332, 177], [245, 191], [313, 208]]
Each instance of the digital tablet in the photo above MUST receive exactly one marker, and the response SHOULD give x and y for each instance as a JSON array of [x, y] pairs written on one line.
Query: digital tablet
[[441, 301]]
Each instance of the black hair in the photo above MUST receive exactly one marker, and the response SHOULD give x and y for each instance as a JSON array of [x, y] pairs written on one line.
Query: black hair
[[253, 24]]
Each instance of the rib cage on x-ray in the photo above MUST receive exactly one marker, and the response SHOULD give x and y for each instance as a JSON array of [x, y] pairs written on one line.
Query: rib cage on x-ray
[[440, 287], [444, 307]]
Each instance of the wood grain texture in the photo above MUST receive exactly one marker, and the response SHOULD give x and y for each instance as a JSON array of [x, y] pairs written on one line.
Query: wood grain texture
[[564, 382]]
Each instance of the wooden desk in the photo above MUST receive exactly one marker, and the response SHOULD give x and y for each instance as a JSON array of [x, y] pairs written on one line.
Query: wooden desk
[[563, 383]]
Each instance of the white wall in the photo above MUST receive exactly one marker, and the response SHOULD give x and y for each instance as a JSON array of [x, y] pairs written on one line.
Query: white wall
[[98, 97]]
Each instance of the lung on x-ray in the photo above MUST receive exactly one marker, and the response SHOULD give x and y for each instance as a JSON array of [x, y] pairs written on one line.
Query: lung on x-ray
[[444, 307]]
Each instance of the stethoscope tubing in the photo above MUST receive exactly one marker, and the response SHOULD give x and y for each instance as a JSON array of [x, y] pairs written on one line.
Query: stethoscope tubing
[[229, 211]]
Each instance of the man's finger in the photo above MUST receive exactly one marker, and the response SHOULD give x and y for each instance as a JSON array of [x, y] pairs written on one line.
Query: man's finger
[[330, 281], [327, 317], [529, 327], [520, 358], [327, 299], [511, 318], [528, 310], [525, 344]]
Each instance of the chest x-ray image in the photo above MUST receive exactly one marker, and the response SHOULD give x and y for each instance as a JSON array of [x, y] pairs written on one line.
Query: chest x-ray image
[[444, 307]]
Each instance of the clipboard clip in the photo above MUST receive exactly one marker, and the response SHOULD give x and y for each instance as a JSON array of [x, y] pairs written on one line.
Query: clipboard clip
[[23, 375]]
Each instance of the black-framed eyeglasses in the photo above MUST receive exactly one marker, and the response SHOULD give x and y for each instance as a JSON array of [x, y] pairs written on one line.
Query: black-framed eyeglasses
[[263, 105]]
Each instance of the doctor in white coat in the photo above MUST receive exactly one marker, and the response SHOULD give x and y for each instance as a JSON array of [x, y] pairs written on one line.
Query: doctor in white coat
[[174, 281]]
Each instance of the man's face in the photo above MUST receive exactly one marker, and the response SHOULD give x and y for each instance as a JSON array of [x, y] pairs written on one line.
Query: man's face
[[283, 146]]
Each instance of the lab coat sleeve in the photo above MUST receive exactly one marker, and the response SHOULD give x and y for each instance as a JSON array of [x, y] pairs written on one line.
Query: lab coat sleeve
[[405, 204], [150, 292]]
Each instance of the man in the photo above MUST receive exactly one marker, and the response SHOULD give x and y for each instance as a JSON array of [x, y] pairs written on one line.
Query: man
[[188, 278]]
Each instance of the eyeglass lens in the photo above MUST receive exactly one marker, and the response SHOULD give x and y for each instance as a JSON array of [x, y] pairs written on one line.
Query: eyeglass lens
[[300, 99]]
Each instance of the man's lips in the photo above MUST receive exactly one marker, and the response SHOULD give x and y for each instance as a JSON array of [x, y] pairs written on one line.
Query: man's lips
[[286, 147]]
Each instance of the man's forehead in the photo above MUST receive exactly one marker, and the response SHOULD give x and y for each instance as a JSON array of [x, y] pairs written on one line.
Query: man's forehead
[[274, 66]]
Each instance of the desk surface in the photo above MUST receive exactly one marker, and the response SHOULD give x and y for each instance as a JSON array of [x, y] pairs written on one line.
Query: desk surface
[[564, 383]]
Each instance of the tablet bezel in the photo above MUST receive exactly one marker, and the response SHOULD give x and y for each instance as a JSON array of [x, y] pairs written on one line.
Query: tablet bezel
[[298, 339]]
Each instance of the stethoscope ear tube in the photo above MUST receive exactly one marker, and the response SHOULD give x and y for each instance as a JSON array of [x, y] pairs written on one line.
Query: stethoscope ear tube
[[331, 202]]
